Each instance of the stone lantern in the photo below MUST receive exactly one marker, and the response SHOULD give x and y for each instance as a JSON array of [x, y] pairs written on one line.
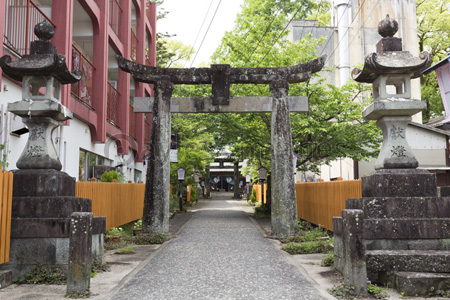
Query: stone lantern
[[42, 73], [49, 225], [390, 70]]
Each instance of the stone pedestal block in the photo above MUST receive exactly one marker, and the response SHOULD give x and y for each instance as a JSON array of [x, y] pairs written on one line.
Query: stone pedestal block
[[42, 182], [399, 183], [354, 265], [79, 270]]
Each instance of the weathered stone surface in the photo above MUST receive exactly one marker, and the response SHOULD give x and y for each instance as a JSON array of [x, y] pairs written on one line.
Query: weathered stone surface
[[284, 204], [401, 207], [156, 203], [291, 74], [380, 109], [389, 44], [354, 266], [40, 109], [395, 152], [39, 152], [407, 228], [408, 244], [421, 284], [444, 191], [235, 105], [399, 183], [43, 182], [49, 207], [207, 183], [220, 81], [6, 278], [79, 269], [338, 244], [408, 261]]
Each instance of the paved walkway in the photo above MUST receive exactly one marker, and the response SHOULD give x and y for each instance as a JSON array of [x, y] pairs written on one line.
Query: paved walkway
[[219, 254]]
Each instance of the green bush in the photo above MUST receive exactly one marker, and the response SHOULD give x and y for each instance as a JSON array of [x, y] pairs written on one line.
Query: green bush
[[193, 195], [253, 196], [109, 176], [328, 261], [321, 246], [262, 211]]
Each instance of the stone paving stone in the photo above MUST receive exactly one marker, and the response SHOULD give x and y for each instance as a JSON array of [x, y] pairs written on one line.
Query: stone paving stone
[[219, 254]]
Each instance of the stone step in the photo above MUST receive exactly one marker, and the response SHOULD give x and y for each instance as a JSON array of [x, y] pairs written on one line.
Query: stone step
[[408, 244], [401, 207], [421, 284], [406, 228], [408, 261]]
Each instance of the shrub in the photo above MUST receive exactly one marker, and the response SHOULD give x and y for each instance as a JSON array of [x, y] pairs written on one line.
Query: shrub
[[262, 211], [109, 176], [193, 195], [328, 261], [321, 246], [253, 196]]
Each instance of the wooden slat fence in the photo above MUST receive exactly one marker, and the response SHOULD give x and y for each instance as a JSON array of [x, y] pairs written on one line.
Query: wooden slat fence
[[319, 202], [257, 187], [120, 203], [6, 184]]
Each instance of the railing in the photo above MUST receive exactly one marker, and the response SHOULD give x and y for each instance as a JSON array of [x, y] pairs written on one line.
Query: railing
[[82, 89], [133, 45], [132, 122], [115, 16], [20, 18], [120, 203], [6, 184], [112, 104], [319, 202]]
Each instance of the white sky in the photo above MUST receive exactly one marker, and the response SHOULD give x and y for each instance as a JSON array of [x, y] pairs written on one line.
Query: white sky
[[185, 19]]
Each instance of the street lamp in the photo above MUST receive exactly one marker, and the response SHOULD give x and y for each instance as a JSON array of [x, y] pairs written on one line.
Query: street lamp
[[262, 176], [181, 172], [247, 180], [197, 179]]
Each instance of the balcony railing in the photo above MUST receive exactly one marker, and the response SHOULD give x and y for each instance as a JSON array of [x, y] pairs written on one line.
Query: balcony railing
[[115, 15], [82, 89], [20, 18], [112, 105], [132, 122], [133, 45]]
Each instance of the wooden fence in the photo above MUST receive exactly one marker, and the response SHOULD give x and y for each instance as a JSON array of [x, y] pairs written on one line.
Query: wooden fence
[[319, 202], [6, 184], [257, 187], [120, 203]]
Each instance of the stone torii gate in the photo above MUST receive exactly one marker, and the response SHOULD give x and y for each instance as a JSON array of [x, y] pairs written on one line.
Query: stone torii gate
[[284, 205]]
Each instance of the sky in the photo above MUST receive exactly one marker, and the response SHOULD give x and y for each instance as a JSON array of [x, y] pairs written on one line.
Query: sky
[[185, 19]]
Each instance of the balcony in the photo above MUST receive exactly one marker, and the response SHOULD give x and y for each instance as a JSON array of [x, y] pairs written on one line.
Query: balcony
[[82, 90], [112, 105], [20, 18], [115, 15]]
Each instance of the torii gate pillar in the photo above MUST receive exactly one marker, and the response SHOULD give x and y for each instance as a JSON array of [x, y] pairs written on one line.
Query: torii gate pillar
[[284, 203], [156, 209]]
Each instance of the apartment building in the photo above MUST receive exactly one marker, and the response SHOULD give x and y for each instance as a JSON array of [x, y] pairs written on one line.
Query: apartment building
[[105, 132]]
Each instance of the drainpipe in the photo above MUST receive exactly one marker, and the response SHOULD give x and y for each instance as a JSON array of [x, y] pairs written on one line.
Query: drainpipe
[[342, 19]]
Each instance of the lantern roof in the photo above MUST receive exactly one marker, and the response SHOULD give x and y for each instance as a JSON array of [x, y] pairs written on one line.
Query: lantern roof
[[389, 58], [42, 60]]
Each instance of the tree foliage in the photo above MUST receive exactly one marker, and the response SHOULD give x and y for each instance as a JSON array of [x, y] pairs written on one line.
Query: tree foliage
[[433, 29], [333, 127]]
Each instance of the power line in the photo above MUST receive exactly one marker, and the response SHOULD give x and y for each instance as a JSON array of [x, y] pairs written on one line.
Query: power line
[[198, 33], [206, 33]]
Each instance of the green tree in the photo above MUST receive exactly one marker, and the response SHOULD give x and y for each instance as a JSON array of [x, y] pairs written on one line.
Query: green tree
[[433, 30], [333, 127]]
